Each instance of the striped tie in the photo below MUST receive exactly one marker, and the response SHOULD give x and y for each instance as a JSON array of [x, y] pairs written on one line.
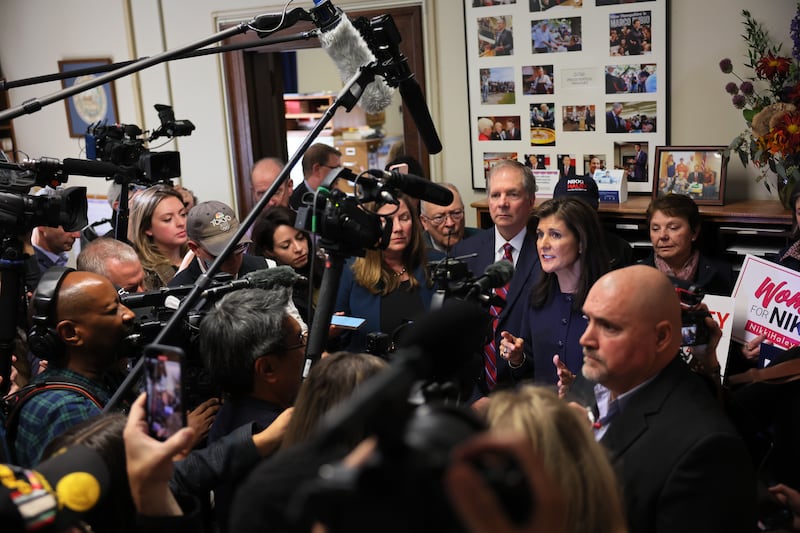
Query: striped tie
[[490, 350]]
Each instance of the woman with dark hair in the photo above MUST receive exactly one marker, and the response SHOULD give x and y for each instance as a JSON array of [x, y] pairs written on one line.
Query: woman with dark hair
[[572, 255], [790, 256], [276, 236], [674, 222], [388, 287]]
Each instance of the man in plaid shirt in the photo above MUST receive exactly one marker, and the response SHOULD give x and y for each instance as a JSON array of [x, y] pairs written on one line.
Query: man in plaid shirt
[[90, 323]]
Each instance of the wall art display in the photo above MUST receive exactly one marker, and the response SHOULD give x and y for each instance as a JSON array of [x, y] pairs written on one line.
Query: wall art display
[[93, 105], [584, 78]]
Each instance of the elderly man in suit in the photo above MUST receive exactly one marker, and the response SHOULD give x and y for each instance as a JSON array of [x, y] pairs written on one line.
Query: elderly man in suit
[[512, 190], [681, 463]]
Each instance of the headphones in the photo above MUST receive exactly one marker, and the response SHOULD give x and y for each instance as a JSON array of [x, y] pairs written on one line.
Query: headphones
[[43, 339]]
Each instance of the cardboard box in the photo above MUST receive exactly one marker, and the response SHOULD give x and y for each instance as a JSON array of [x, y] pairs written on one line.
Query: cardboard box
[[612, 185]]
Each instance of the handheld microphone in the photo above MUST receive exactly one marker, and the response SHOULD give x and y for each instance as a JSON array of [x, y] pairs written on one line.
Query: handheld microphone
[[266, 278], [80, 167], [415, 186], [349, 52], [496, 275]]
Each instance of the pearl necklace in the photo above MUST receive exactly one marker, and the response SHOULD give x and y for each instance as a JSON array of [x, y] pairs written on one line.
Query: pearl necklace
[[400, 274]]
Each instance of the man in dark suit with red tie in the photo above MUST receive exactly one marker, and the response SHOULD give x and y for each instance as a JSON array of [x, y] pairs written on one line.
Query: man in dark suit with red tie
[[511, 190]]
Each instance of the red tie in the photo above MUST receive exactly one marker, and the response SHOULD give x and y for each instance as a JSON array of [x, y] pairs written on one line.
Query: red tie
[[490, 350]]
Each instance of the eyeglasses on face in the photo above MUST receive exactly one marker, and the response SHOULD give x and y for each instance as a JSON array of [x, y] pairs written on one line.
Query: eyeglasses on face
[[303, 337], [455, 216]]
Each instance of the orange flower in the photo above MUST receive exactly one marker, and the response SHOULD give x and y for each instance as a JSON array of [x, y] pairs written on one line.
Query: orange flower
[[770, 66]]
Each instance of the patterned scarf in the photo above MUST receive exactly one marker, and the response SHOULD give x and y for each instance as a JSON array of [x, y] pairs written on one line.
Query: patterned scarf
[[793, 251], [687, 272]]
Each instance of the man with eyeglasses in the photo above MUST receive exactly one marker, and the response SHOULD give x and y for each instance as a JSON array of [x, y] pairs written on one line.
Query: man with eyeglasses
[[255, 351], [444, 225], [318, 161], [209, 227]]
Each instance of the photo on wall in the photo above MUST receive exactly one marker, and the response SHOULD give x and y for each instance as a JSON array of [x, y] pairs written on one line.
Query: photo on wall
[[489, 3], [593, 163], [556, 35], [499, 128], [495, 36], [566, 166], [543, 124], [490, 159], [537, 161], [639, 78], [631, 117], [497, 85], [537, 79], [630, 34], [578, 118], [632, 157], [535, 6]]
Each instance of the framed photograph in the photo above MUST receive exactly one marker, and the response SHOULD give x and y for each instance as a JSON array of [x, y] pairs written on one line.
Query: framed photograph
[[585, 78], [696, 171], [88, 107]]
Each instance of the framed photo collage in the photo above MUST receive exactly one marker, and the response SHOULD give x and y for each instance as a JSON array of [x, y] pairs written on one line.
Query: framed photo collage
[[556, 83]]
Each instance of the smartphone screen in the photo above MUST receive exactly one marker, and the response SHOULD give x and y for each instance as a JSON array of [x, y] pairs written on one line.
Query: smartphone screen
[[347, 322], [166, 413]]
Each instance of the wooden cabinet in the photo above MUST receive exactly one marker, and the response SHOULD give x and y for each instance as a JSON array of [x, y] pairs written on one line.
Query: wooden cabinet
[[304, 110], [757, 227]]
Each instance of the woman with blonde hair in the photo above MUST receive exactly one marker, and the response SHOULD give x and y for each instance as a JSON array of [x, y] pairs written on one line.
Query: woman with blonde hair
[[157, 230], [562, 437]]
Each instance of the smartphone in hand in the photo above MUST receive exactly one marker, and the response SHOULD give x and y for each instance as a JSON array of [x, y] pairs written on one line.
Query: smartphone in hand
[[347, 322], [166, 413]]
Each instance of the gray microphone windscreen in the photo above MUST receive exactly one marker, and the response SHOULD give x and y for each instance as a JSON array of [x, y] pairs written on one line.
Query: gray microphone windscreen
[[279, 276], [349, 52], [500, 272]]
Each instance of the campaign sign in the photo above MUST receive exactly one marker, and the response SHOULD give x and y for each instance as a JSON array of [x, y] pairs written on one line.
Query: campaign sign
[[721, 310], [767, 299]]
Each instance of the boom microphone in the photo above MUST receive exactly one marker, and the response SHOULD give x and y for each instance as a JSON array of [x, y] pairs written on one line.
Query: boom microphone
[[80, 167], [496, 275], [415, 186], [349, 52], [266, 278]]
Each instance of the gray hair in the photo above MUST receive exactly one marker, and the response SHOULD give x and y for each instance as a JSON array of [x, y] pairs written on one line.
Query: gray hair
[[528, 179], [241, 327], [94, 257]]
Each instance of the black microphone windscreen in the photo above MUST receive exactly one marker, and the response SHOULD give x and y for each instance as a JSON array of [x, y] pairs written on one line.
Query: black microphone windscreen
[[279, 276], [88, 167], [500, 272]]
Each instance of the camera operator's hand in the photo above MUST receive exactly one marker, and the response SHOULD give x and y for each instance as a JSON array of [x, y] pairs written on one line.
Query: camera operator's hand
[[477, 505], [202, 417], [752, 350], [149, 463], [565, 377], [790, 498]]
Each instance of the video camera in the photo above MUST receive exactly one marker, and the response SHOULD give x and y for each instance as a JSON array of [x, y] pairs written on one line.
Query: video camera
[[21, 212], [124, 145]]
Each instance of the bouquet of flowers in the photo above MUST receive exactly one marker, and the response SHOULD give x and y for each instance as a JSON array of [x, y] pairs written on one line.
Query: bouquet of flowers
[[770, 104]]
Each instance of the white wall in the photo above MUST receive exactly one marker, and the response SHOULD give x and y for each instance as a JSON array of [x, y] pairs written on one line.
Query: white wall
[[35, 34]]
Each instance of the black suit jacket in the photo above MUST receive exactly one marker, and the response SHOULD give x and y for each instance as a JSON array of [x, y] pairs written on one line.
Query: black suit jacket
[[518, 296], [714, 276], [682, 465], [296, 199]]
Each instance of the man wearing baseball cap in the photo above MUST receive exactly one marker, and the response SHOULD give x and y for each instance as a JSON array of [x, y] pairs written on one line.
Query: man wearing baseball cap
[[210, 225]]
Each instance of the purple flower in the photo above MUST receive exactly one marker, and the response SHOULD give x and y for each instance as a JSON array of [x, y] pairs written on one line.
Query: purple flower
[[726, 66], [738, 101], [731, 88], [747, 88]]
